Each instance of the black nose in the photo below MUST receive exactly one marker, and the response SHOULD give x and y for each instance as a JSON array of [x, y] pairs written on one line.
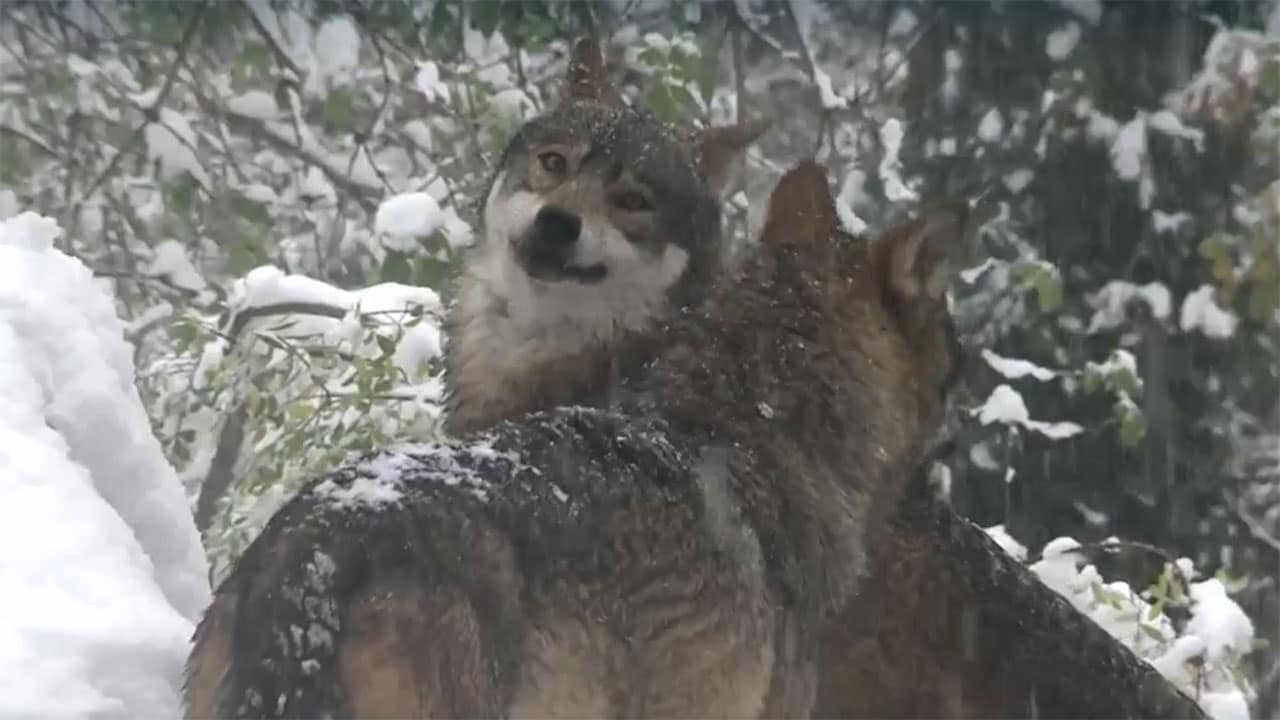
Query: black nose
[[555, 228]]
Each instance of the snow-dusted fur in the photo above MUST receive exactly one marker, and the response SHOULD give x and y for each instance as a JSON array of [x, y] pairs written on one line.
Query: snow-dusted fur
[[681, 556]]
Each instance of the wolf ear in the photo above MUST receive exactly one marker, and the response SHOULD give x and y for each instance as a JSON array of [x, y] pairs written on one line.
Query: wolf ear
[[715, 149], [586, 77], [915, 254], [801, 209]]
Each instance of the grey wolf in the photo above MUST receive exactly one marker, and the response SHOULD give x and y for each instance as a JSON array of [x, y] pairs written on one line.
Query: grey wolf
[[680, 556], [598, 221]]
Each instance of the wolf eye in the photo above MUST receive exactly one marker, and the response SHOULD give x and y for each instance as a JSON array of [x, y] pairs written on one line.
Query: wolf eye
[[632, 202], [553, 162]]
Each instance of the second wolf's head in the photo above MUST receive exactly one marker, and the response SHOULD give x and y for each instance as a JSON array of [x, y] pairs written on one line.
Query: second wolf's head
[[599, 219]]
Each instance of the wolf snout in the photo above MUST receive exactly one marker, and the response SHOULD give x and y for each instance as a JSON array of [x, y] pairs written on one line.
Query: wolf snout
[[556, 229], [549, 250]]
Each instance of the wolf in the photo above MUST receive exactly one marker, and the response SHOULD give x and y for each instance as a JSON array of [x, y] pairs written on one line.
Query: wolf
[[926, 644], [599, 220], [677, 556]]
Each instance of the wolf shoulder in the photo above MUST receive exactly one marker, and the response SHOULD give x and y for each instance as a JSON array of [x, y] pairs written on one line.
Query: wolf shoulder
[[594, 491]]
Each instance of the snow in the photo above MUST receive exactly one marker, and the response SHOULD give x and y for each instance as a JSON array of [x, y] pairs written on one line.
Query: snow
[[904, 22], [427, 80], [1218, 619], [172, 142], [1006, 542], [1013, 368], [850, 192], [1088, 10], [1166, 122], [1017, 180], [408, 216], [337, 45], [169, 260], [1130, 148], [378, 483], [895, 190], [1111, 301], [257, 104], [991, 127], [1194, 660], [1163, 222], [1201, 312], [102, 560], [385, 304], [971, 275], [1061, 42], [1005, 406]]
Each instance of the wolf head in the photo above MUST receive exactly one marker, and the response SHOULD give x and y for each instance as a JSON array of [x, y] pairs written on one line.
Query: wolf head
[[839, 345], [883, 305], [599, 219]]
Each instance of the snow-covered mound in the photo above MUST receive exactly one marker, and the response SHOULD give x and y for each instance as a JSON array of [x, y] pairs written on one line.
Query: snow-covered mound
[[101, 569]]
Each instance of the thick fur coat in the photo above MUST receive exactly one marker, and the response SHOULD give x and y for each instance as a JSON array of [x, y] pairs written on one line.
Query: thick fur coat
[[679, 557]]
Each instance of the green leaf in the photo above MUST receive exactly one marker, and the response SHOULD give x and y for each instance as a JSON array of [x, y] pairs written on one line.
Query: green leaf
[[1133, 423], [443, 20], [430, 272], [244, 254], [485, 15], [249, 210], [1048, 287], [1151, 632], [339, 110], [1212, 247], [385, 344], [396, 268], [1264, 298], [183, 333], [1092, 381]]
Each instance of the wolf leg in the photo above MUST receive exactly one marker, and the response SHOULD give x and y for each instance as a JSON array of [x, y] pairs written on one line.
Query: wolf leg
[[413, 652]]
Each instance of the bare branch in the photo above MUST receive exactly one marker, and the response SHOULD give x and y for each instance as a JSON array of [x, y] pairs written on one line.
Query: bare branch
[[281, 56], [183, 45]]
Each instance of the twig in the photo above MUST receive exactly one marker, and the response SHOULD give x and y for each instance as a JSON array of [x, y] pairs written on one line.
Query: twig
[[811, 65], [31, 139], [253, 126], [1255, 526], [281, 56], [153, 112], [231, 437]]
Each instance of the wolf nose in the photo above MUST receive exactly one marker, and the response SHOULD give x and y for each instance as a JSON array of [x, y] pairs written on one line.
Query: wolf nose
[[556, 227]]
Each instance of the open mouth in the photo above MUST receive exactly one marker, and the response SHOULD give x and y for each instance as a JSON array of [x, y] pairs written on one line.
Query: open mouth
[[550, 272], [551, 266]]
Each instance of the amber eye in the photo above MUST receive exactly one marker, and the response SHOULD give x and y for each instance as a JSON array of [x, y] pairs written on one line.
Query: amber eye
[[553, 162], [632, 202]]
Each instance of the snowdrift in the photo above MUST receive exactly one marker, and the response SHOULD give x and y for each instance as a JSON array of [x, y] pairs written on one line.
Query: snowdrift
[[101, 570]]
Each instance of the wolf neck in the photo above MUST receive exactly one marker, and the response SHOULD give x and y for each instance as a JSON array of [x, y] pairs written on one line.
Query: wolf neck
[[517, 346], [751, 372]]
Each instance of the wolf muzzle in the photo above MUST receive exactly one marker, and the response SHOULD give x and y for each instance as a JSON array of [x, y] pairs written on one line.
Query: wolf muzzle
[[548, 248]]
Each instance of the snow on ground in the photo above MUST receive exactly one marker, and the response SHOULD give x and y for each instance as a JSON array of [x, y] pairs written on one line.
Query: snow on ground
[[102, 565]]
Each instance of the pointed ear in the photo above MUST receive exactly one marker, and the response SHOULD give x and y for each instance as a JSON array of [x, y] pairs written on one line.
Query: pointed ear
[[801, 209], [586, 77], [916, 253], [715, 149]]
